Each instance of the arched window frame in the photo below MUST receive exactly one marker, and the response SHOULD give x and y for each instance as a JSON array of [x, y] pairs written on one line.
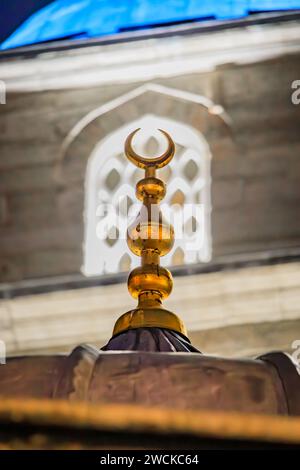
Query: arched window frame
[[99, 257]]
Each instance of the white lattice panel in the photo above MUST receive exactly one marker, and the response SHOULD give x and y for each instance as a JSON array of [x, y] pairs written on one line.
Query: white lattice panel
[[110, 191]]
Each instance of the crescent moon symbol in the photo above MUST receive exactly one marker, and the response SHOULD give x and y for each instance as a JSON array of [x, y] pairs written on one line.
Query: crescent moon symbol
[[143, 162]]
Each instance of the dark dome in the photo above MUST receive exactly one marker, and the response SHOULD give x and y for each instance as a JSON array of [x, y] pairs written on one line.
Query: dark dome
[[149, 339]]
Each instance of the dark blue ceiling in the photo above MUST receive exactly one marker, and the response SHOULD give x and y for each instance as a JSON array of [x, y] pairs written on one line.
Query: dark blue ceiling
[[61, 19]]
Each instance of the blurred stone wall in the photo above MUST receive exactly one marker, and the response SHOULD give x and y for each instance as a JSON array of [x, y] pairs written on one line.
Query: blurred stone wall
[[255, 164], [243, 312]]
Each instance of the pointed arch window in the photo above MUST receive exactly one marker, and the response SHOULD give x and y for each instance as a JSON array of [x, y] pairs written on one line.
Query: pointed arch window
[[110, 184]]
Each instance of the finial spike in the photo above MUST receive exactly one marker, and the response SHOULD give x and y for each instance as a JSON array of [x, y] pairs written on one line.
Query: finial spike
[[150, 237]]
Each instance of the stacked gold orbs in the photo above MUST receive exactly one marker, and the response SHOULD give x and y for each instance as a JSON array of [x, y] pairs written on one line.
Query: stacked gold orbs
[[150, 237]]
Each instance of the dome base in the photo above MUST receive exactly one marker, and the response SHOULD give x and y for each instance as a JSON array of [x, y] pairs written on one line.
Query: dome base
[[149, 340], [149, 318]]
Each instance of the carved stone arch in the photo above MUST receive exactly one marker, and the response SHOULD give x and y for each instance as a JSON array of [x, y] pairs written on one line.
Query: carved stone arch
[[196, 113], [202, 114]]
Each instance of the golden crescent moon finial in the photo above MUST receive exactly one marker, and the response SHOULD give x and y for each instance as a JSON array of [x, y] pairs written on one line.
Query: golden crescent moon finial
[[143, 162], [150, 237]]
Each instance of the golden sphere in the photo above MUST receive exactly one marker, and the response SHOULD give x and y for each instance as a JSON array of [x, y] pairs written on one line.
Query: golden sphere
[[150, 187], [149, 278], [150, 235]]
